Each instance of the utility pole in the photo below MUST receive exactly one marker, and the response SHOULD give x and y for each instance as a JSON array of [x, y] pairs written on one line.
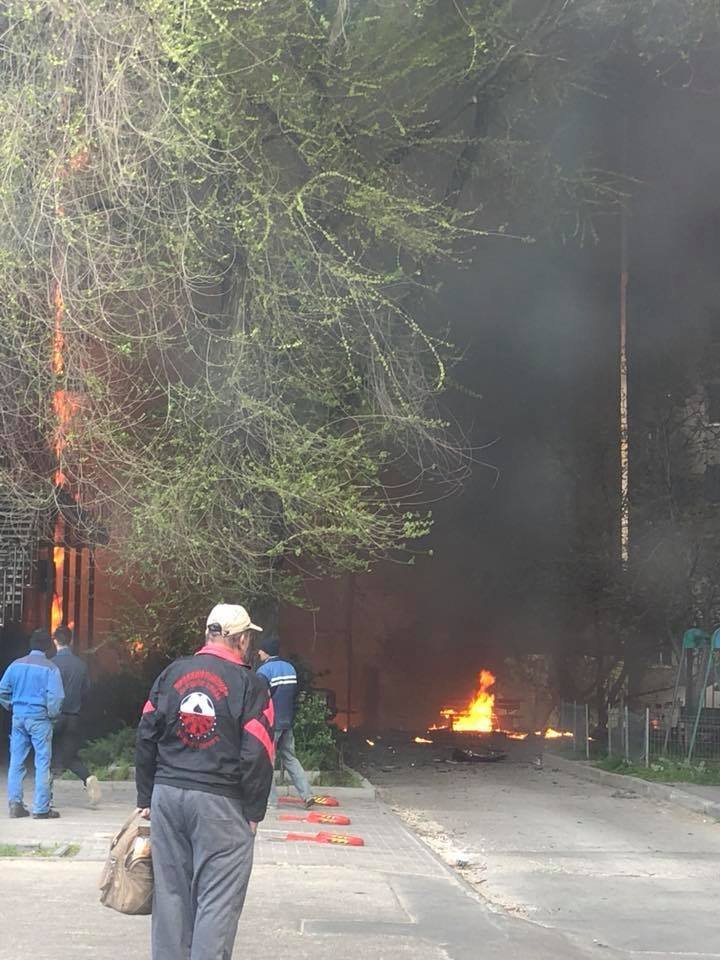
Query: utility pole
[[623, 371]]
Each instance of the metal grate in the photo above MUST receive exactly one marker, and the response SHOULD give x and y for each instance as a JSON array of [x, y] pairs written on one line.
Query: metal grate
[[18, 547]]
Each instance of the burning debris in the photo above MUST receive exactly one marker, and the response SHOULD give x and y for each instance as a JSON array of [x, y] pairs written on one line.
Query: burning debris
[[479, 715], [551, 734], [469, 756], [421, 740]]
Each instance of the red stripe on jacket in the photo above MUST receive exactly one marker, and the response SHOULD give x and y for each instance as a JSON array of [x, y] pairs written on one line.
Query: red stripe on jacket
[[257, 730]]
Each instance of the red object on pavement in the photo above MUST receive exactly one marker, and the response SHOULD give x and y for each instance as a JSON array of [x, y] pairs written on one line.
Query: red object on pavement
[[337, 819], [338, 839], [299, 802]]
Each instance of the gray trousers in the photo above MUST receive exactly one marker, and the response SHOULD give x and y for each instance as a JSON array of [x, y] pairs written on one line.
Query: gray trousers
[[202, 851], [285, 753]]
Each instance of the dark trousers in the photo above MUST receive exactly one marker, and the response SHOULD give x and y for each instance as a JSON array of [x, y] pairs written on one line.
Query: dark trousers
[[202, 852], [67, 740]]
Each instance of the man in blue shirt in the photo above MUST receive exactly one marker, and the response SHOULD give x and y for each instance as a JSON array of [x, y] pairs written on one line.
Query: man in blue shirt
[[68, 733], [282, 679], [32, 687]]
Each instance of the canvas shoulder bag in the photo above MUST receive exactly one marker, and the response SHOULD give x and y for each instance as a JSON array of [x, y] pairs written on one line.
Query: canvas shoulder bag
[[126, 884]]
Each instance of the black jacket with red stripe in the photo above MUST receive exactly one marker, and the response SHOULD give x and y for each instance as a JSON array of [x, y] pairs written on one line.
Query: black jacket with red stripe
[[208, 725]]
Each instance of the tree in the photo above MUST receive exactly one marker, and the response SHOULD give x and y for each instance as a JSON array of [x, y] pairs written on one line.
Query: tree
[[219, 224]]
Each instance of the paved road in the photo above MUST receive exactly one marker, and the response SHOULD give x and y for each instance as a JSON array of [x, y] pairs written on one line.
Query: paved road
[[636, 878], [391, 899]]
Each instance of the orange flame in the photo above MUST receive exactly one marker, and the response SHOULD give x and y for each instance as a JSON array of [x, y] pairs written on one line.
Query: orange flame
[[421, 740], [56, 614], [58, 364], [551, 734], [479, 715], [65, 405]]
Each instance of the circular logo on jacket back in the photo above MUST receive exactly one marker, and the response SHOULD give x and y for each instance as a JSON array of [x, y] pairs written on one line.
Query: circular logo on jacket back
[[197, 715]]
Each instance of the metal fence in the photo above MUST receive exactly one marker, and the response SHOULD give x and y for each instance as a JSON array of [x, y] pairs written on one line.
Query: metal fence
[[575, 724], [686, 735], [628, 734], [641, 736]]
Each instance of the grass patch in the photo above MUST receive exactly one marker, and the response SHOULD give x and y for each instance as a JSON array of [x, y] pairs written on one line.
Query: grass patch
[[665, 771], [12, 851], [337, 778]]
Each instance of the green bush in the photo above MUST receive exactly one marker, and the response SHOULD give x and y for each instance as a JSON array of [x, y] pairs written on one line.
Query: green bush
[[114, 750], [315, 739]]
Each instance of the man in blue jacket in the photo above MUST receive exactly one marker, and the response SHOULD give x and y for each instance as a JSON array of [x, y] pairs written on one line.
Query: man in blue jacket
[[32, 687], [282, 679]]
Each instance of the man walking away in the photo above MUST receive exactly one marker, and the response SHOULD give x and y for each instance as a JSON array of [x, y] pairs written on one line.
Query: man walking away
[[282, 679], [203, 770], [68, 734], [32, 687]]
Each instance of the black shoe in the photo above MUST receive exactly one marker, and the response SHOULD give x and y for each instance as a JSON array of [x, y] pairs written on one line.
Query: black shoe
[[310, 802], [50, 815], [18, 810]]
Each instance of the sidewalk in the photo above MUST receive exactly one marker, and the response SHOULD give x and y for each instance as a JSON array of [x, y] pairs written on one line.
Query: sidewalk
[[697, 798], [391, 898]]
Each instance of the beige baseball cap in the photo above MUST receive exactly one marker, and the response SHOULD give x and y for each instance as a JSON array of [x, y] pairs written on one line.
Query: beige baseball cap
[[231, 619]]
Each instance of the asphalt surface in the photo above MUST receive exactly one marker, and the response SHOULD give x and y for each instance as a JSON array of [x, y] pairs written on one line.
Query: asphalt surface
[[602, 866], [390, 899]]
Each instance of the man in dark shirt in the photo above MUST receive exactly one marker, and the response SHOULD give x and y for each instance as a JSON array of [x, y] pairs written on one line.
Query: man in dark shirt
[[203, 769], [68, 733]]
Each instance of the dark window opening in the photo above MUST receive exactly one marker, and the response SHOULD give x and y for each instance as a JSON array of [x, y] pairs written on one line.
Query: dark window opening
[[712, 483], [712, 392]]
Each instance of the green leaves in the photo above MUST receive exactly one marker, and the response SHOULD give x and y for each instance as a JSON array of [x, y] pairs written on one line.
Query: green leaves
[[243, 227]]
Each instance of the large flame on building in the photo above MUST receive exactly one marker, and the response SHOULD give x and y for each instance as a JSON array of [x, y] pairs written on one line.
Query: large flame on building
[[62, 408], [65, 404], [479, 715]]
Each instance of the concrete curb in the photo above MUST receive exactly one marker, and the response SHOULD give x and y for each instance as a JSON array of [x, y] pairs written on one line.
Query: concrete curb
[[644, 788], [364, 792]]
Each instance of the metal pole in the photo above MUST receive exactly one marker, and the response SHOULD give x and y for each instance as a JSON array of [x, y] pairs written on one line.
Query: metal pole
[[574, 726], [676, 690], [647, 736], [623, 380], [609, 728], [627, 734], [587, 731], [701, 700]]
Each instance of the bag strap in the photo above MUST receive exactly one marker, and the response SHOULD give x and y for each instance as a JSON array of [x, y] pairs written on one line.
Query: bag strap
[[122, 829]]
